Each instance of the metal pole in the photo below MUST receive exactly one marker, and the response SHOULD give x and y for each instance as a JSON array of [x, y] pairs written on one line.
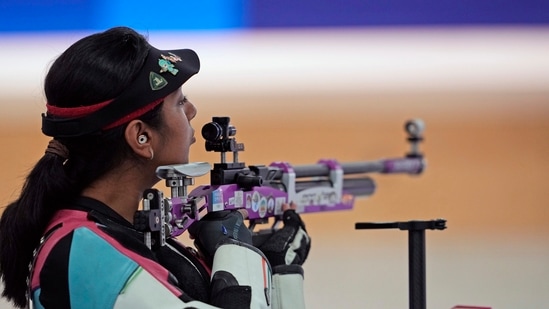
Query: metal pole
[[416, 260]]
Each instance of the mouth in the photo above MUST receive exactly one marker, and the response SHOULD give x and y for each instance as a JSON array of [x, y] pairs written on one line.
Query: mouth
[[193, 139]]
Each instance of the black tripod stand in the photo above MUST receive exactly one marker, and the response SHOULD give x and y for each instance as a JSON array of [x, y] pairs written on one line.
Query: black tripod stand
[[416, 253]]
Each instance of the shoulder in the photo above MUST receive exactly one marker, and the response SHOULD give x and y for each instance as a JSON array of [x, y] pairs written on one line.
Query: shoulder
[[81, 252], [83, 246], [79, 260]]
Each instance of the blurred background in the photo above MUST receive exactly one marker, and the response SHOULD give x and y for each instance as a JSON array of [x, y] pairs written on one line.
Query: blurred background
[[310, 80]]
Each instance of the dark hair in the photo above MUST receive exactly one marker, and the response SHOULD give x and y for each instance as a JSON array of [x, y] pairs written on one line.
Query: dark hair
[[94, 69]]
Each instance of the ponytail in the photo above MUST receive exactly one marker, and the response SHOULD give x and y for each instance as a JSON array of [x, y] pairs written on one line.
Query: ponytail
[[24, 221]]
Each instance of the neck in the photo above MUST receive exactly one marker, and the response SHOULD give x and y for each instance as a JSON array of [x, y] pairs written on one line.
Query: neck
[[121, 191]]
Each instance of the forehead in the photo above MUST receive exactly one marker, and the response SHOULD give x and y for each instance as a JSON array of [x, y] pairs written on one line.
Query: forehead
[[176, 95], [171, 104]]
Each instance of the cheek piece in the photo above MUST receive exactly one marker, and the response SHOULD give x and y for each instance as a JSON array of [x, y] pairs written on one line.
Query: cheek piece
[[162, 73]]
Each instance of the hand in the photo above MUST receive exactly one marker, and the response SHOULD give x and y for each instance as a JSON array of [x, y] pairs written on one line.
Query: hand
[[218, 227], [290, 244]]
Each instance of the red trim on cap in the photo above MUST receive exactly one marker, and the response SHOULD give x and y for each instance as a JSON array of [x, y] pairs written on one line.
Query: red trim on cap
[[73, 112], [135, 114]]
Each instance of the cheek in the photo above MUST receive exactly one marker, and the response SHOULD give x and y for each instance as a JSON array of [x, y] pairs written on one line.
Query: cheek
[[181, 130], [184, 128], [176, 121]]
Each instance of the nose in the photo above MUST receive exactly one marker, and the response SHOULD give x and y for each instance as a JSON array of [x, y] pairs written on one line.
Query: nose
[[192, 111]]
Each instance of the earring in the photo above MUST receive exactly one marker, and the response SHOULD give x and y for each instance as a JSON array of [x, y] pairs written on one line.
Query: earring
[[152, 154], [142, 139]]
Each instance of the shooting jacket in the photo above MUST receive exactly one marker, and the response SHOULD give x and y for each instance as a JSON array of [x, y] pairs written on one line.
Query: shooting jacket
[[91, 257]]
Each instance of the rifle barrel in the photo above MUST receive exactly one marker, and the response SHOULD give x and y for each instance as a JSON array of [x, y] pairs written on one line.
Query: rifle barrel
[[393, 166]]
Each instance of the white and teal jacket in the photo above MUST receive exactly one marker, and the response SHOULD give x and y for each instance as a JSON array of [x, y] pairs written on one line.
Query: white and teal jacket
[[93, 258]]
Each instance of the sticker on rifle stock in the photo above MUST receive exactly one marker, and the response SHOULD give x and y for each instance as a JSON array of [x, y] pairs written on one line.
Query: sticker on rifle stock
[[278, 205], [255, 201], [217, 200], [248, 201], [318, 197], [347, 198], [270, 204], [262, 207], [238, 199]]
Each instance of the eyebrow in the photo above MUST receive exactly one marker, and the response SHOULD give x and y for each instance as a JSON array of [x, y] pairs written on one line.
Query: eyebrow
[[180, 96]]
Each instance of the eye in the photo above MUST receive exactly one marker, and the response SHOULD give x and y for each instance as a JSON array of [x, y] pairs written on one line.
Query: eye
[[183, 100]]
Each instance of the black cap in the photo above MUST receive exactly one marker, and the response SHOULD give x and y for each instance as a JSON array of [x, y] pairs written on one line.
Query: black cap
[[163, 72]]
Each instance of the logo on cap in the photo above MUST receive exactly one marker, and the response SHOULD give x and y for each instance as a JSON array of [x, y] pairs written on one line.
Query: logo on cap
[[157, 81], [166, 64]]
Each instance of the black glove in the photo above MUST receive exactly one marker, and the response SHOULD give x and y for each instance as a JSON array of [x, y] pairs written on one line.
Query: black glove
[[216, 228], [288, 245]]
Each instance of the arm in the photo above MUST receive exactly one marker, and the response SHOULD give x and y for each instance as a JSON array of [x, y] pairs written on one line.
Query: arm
[[287, 249], [241, 274], [241, 277]]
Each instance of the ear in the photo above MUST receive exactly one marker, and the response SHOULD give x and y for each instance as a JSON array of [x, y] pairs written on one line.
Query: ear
[[134, 130]]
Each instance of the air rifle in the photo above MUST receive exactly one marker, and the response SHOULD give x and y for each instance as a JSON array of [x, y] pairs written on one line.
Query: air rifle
[[327, 185]]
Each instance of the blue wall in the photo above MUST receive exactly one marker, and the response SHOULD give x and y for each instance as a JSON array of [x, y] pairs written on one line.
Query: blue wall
[[61, 15], [306, 13]]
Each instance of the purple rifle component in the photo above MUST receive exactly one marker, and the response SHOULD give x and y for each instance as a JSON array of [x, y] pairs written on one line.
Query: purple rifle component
[[316, 195], [407, 165], [261, 190]]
